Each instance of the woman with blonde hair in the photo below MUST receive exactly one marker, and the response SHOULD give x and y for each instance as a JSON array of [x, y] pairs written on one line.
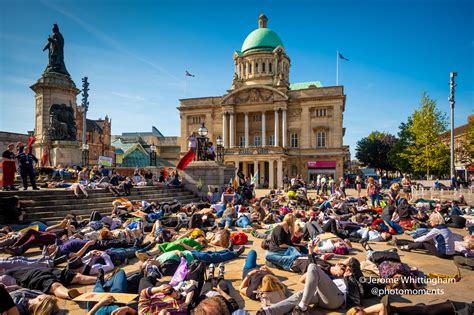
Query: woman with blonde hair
[[34, 302]]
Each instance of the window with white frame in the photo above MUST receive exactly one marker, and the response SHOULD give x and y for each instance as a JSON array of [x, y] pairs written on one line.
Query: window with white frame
[[242, 141], [271, 140], [257, 141], [294, 140], [321, 139]]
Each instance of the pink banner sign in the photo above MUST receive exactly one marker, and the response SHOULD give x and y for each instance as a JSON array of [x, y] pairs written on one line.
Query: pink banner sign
[[322, 164]]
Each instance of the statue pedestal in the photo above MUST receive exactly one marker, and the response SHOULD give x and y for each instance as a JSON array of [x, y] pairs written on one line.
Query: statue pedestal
[[54, 88], [208, 175], [66, 153]]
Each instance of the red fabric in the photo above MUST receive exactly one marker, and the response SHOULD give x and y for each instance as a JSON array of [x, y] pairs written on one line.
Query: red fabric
[[239, 238], [31, 140], [8, 173], [43, 159], [187, 158]]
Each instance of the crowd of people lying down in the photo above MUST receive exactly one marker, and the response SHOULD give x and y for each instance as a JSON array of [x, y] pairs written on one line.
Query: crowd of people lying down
[[191, 244]]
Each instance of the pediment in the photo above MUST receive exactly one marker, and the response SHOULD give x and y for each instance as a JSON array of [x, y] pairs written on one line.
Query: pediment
[[253, 95]]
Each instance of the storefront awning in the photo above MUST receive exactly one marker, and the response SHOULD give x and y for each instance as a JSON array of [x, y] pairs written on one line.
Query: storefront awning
[[322, 164]]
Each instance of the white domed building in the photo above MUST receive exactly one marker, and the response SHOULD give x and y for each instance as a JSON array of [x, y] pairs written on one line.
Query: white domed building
[[267, 123]]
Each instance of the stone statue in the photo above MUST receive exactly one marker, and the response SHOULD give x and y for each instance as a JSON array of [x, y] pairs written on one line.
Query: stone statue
[[62, 123], [55, 48]]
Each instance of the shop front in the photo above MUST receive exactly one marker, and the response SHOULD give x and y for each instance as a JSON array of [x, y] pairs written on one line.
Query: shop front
[[316, 168]]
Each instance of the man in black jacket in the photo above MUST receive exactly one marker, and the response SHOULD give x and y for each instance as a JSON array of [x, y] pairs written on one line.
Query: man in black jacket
[[26, 161]]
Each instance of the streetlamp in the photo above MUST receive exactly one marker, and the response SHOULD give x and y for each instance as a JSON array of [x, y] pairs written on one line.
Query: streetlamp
[[85, 155], [152, 155], [220, 149], [202, 143]]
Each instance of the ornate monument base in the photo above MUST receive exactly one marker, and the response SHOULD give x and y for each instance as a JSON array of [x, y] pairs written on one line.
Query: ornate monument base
[[65, 153], [203, 176]]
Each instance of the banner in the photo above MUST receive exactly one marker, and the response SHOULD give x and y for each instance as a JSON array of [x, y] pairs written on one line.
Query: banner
[[105, 160]]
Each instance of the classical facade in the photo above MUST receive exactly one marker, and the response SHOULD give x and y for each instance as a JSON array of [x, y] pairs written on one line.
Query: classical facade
[[269, 125]]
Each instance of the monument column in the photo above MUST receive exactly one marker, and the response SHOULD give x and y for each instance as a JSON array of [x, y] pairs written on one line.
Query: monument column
[[264, 131], [231, 131], [283, 127], [277, 131], [224, 130], [246, 123], [256, 172], [271, 177], [279, 173]]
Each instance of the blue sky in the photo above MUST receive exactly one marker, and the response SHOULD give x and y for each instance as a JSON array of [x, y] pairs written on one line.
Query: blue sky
[[135, 54]]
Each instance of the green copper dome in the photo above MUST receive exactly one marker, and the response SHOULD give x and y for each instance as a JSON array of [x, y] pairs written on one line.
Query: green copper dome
[[262, 37]]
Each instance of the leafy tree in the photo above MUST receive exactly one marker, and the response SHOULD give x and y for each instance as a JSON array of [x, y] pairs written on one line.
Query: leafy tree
[[373, 151], [405, 138], [426, 153]]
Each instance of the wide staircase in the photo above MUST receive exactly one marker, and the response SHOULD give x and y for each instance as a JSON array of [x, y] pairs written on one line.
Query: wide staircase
[[51, 205]]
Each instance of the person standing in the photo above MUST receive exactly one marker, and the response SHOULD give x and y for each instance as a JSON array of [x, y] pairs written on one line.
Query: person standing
[[9, 167], [358, 185], [26, 161]]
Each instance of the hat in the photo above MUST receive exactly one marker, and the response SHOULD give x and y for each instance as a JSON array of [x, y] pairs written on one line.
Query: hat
[[74, 263]]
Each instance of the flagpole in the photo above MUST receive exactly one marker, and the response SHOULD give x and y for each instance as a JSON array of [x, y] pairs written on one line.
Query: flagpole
[[337, 68]]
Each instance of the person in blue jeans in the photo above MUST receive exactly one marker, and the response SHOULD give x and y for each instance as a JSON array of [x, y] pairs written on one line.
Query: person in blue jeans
[[106, 306], [217, 257], [250, 263], [284, 259], [243, 222]]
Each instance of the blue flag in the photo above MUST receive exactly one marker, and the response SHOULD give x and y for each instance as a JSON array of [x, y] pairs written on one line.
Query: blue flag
[[342, 57]]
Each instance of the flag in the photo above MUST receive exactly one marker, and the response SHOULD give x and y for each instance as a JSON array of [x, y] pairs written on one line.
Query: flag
[[188, 74], [187, 158], [254, 178], [342, 57]]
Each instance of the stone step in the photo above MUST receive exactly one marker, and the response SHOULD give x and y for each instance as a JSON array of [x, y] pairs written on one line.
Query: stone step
[[81, 200], [87, 203]]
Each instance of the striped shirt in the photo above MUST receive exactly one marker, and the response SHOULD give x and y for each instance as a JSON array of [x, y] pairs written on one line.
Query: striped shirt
[[149, 304]]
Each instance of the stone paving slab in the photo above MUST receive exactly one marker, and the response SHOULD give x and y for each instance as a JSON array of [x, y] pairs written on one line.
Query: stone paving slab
[[460, 291]]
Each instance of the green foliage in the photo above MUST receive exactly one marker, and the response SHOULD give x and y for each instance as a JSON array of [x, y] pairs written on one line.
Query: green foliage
[[373, 151], [425, 152], [405, 138]]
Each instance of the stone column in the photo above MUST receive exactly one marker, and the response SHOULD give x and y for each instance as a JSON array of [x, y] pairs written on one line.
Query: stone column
[[305, 128], [224, 130], [279, 173], [246, 123], [261, 173], [255, 171], [231, 131], [264, 131], [277, 131], [271, 177], [283, 127]]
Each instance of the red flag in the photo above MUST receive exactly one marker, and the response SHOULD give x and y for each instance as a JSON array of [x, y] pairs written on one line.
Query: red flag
[[187, 158], [31, 140], [43, 159]]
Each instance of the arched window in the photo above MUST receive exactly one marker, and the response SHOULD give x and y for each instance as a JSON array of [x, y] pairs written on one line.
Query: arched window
[[256, 67], [250, 68], [263, 67], [270, 67]]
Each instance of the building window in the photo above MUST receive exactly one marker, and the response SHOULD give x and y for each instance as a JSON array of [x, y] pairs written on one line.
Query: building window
[[257, 141], [257, 117], [294, 140], [250, 68], [321, 112], [256, 67], [270, 67], [196, 119], [271, 140], [242, 141], [263, 67], [321, 139]]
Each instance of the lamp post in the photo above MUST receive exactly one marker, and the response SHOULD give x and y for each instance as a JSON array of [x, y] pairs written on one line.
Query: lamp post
[[452, 86], [220, 149], [152, 155], [85, 107], [85, 155], [202, 143]]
